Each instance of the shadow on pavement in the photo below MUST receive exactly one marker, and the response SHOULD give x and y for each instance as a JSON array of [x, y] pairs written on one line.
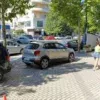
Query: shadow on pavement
[[28, 76]]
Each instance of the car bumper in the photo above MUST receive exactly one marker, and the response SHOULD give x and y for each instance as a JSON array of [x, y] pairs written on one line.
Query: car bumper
[[31, 60]]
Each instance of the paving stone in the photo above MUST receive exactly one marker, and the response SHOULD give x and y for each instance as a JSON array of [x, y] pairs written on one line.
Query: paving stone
[[69, 81]]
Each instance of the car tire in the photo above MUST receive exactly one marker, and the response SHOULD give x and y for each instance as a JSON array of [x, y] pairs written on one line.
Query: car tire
[[28, 64], [1, 75], [71, 57], [44, 63], [21, 51]]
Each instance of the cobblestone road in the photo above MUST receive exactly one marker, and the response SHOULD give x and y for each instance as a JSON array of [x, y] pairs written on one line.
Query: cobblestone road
[[76, 81]]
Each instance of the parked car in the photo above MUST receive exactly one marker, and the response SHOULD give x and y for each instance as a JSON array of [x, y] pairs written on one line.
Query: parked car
[[28, 36], [43, 52], [24, 40], [14, 47], [68, 37], [71, 44], [5, 65], [38, 38]]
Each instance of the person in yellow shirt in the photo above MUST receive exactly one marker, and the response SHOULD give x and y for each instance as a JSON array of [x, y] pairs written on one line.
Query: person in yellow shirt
[[97, 55]]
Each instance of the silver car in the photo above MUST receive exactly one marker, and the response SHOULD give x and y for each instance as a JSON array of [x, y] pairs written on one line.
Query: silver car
[[13, 47], [44, 52]]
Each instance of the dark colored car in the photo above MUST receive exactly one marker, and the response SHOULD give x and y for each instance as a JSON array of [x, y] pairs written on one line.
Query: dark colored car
[[5, 65], [74, 44]]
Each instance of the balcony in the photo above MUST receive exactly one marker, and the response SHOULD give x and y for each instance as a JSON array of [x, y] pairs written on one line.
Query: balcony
[[36, 9], [41, 1]]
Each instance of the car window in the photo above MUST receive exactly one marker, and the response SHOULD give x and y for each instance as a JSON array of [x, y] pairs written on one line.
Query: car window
[[59, 46], [9, 43], [73, 42], [32, 46], [49, 46], [21, 38]]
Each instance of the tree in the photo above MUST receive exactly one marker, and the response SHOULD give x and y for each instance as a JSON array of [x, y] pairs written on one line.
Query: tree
[[10, 9], [79, 15], [94, 17], [73, 10], [55, 24], [19, 32]]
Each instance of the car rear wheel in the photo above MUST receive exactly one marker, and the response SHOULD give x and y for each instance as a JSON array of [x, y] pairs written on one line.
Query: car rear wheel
[[27, 64], [1, 75], [44, 63], [71, 57]]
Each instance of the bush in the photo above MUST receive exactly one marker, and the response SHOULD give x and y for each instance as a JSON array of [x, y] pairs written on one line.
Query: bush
[[19, 32]]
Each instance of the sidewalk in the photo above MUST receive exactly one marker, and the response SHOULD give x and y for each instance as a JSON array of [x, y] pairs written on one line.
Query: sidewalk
[[76, 81]]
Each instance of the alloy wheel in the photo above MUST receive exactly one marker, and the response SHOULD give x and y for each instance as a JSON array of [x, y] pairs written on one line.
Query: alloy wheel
[[71, 57], [44, 63]]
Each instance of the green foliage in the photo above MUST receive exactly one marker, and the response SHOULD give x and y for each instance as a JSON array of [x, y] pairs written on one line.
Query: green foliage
[[56, 24], [74, 11], [11, 8], [19, 32]]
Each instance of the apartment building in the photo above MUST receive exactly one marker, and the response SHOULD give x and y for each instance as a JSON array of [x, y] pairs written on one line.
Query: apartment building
[[34, 20]]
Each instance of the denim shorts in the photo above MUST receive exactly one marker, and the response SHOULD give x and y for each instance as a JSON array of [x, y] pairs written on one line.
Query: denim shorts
[[96, 54]]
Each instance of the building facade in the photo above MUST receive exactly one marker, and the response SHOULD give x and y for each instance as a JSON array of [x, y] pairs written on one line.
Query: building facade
[[34, 20], [7, 27]]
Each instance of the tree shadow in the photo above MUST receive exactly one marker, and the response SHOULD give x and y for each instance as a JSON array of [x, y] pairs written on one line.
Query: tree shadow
[[22, 76]]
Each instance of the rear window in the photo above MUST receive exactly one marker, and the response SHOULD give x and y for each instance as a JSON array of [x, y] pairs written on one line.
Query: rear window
[[33, 46]]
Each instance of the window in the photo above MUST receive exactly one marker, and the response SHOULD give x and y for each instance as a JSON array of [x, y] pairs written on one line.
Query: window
[[33, 46], [39, 23], [49, 46], [59, 46], [27, 23]]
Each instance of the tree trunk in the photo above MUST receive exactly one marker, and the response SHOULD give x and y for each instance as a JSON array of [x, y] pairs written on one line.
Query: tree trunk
[[3, 25], [79, 35]]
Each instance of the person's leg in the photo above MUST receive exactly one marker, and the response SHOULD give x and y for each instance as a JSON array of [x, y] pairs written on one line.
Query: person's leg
[[96, 63]]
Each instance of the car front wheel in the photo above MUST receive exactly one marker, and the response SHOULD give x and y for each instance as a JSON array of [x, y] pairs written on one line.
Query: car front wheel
[[1, 75], [71, 57], [44, 63]]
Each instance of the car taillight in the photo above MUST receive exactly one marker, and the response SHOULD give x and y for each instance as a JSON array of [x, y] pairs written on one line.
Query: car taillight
[[37, 53], [8, 58]]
